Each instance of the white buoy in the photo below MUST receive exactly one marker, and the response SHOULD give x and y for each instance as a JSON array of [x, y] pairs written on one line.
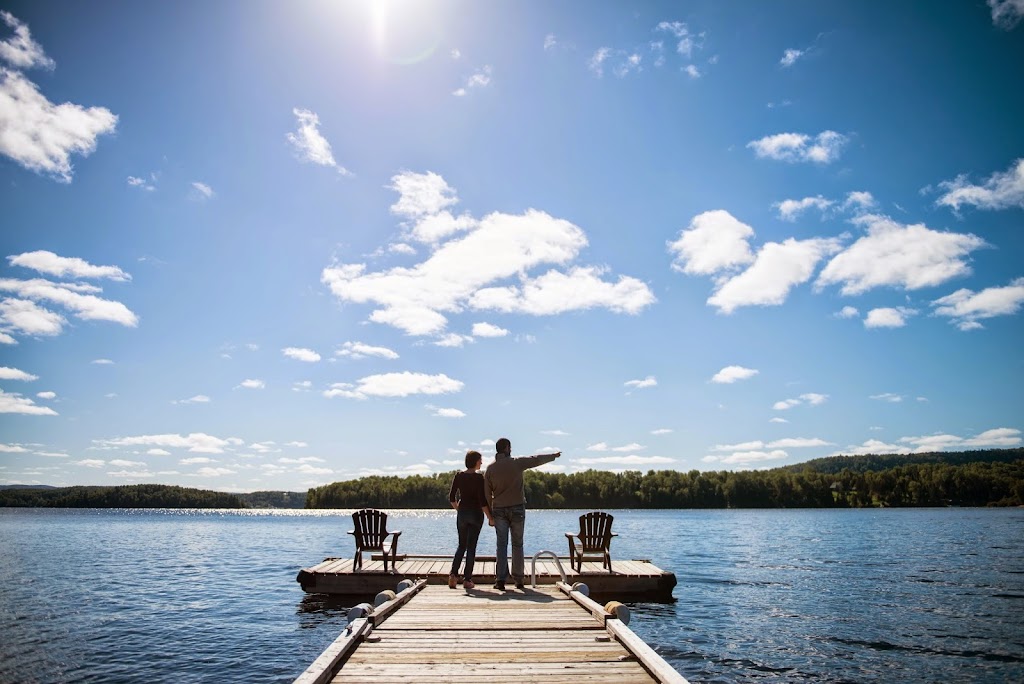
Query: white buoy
[[582, 588], [617, 610], [359, 611], [403, 585], [383, 597]]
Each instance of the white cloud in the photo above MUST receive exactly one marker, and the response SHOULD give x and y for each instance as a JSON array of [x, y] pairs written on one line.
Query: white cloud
[[777, 269], [778, 420], [69, 295], [859, 200], [797, 443], [197, 399], [15, 403], [251, 384], [446, 412], [302, 386], [214, 472], [157, 452], [480, 78], [790, 209], [120, 463], [20, 50], [202, 190], [4, 337], [790, 56], [555, 433], [685, 38], [731, 374], [196, 460], [965, 307], [714, 241], [994, 438], [550, 42], [888, 317], [309, 144], [997, 437], [90, 463], [264, 447], [137, 182], [26, 317], [597, 60], [649, 381], [102, 362], [7, 373], [307, 469], [1006, 14], [897, 255], [455, 53], [41, 135], [395, 385], [662, 431], [810, 398], [46, 395], [401, 248], [887, 396], [488, 330], [753, 456], [433, 228], [196, 442], [453, 340], [847, 312], [692, 71], [297, 444], [415, 299], [632, 460], [600, 446], [132, 474], [65, 267], [359, 350], [1003, 190], [799, 147], [301, 354]]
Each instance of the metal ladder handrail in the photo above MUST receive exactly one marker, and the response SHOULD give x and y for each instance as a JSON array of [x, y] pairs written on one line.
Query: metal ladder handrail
[[533, 565]]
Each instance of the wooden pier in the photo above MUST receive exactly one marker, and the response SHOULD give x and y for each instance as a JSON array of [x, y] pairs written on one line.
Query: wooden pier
[[629, 580], [545, 634]]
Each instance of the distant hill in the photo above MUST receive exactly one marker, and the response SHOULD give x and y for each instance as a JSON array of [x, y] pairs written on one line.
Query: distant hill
[[877, 462], [124, 496], [21, 486], [274, 499]]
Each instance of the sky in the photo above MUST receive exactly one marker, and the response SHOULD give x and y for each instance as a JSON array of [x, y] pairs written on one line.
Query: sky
[[262, 245]]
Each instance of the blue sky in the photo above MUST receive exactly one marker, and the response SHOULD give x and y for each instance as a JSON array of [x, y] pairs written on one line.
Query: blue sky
[[258, 245]]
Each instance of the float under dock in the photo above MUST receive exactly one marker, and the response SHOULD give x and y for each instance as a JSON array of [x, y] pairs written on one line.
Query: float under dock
[[631, 580], [544, 634]]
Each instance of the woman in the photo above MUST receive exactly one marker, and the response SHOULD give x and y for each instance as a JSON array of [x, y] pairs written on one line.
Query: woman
[[467, 497]]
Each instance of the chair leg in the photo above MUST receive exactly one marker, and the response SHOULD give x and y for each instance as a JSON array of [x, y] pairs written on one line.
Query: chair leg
[[357, 562]]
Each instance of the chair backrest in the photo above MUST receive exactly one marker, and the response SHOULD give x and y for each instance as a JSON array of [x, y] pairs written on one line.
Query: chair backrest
[[595, 530], [371, 528]]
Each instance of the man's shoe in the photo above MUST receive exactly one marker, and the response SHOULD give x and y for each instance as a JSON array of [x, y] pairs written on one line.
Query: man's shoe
[[453, 580], [468, 584], [499, 585], [519, 584]]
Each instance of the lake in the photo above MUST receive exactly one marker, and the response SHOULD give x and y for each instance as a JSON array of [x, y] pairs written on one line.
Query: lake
[[920, 595]]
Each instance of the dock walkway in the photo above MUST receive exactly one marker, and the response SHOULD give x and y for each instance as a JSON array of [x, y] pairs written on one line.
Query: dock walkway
[[541, 634]]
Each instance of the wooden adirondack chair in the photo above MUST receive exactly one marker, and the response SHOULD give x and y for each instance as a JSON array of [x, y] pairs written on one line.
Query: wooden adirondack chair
[[595, 537], [371, 534]]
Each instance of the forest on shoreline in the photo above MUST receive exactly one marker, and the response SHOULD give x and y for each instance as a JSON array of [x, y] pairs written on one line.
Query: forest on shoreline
[[975, 478]]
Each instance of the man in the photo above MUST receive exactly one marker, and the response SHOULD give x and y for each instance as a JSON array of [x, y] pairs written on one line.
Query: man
[[503, 492]]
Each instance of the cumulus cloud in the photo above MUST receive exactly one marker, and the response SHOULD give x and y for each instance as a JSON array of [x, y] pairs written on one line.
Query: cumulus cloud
[[77, 298], [631, 460], [28, 318], [46, 395], [1006, 14], [416, 299], [714, 241], [597, 60], [965, 308], [197, 442], [556, 433], [662, 431], [488, 330], [251, 383], [847, 312], [778, 268], [202, 190], [90, 463], [731, 374], [994, 438], [897, 255], [197, 399], [1003, 190], [649, 381], [41, 135], [446, 412], [743, 458], [453, 340], [20, 50], [395, 385], [136, 182], [65, 267], [309, 144], [790, 210], [301, 354], [12, 402], [888, 317], [550, 41], [102, 362], [7, 373], [359, 350], [810, 398], [799, 147], [214, 472], [887, 396], [790, 56], [481, 78]]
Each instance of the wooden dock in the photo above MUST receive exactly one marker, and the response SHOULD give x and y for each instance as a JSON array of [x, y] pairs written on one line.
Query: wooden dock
[[630, 579], [549, 634]]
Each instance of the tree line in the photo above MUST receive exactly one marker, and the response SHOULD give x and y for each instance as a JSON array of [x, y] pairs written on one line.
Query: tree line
[[122, 496], [995, 482]]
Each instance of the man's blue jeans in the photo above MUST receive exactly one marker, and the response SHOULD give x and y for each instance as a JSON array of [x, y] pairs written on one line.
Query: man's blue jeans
[[509, 519]]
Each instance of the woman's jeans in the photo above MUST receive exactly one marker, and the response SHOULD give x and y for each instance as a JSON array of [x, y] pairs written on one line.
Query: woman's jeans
[[469, 523]]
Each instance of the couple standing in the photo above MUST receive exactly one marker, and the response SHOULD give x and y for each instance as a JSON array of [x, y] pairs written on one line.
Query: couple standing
[[499, 495]]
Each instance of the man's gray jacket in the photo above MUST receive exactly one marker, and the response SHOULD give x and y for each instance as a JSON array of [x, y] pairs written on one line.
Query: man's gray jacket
[[503, 480]]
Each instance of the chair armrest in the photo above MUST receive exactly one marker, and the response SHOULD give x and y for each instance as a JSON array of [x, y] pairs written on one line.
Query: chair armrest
[[396, 533], [352, 532], [615, 534], [570, 535]]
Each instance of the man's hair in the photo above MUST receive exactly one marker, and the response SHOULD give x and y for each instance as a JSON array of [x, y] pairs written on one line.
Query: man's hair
[[472, 457], [503, 445]]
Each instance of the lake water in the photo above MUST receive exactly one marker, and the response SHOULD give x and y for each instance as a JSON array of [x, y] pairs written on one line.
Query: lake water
[[763, 596]]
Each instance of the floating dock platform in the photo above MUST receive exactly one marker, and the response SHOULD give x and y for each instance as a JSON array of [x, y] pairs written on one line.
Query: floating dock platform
[[630, 580], [550, 634]]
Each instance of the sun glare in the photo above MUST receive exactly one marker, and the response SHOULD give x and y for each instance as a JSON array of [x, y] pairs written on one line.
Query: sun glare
[[404, 31]]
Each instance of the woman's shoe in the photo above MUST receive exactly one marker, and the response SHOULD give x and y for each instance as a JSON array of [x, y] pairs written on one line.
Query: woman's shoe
[[453, 580], [468, 584]]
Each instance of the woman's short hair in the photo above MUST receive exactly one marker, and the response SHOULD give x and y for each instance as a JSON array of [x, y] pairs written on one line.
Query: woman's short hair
[[472, 457]]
